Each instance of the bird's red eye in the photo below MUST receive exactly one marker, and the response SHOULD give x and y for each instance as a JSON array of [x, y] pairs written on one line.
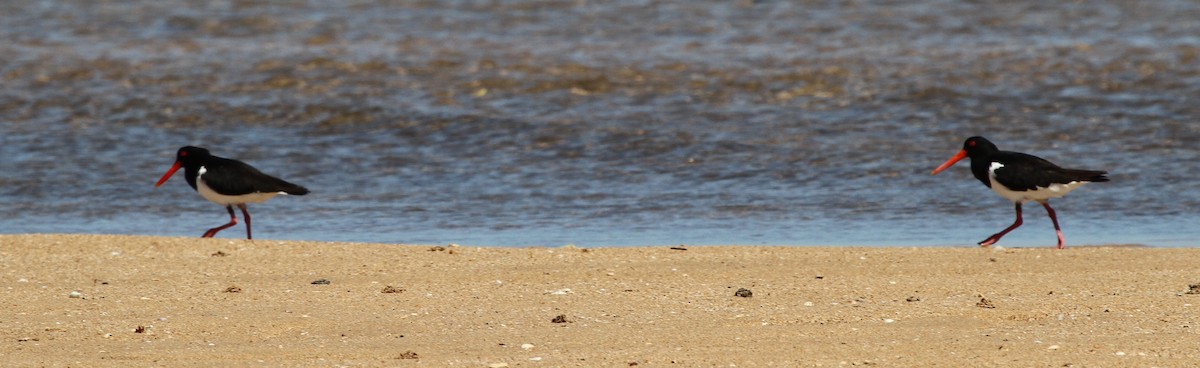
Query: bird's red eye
[[971, 144], [184, 153]]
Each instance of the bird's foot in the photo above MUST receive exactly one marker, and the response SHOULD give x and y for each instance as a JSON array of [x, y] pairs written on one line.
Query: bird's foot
[[212, 232], [989, 241]]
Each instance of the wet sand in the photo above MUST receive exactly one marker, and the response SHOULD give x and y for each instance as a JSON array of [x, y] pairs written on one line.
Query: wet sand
[[154, 301]]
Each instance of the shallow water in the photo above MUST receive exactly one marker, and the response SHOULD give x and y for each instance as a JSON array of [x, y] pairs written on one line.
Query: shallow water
[[602, 123]]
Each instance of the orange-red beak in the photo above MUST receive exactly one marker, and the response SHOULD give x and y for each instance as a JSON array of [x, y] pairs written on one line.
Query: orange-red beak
[[170, 172], [958, 157]]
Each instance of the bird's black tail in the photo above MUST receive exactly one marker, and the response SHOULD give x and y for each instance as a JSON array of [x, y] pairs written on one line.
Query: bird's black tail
[[294, 189], [1088, 175], [280, 185]]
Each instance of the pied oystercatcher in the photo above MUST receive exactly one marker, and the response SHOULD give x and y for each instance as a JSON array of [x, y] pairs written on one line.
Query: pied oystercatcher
[[227, 182], [1020, 177]]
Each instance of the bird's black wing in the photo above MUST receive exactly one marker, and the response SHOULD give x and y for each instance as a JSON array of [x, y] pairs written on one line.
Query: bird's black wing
[[232, 177], [1023, 172]]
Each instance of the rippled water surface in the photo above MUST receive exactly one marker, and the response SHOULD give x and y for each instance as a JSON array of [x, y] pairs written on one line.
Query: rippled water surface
[[602, 122]]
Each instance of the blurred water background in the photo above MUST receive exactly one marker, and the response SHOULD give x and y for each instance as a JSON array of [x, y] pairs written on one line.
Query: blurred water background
[[602, 123]]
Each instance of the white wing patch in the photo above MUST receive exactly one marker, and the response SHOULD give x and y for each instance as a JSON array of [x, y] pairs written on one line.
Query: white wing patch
[[225, 200], [1040, 194]]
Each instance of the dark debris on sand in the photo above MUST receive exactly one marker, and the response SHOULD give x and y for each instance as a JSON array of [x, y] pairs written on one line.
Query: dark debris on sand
[[1193, 289], [985, 303]]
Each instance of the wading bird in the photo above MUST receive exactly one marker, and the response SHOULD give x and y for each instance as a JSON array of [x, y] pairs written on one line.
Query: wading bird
[[228, 183], [1020, 177]]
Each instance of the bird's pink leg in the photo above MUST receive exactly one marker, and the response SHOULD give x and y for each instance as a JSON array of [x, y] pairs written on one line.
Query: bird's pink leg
[[213, 231], [1054, 218], [996, 237], [245, 215]]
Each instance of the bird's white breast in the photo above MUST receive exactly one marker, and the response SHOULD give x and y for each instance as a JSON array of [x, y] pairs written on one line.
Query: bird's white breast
[[225, 200], [1040, 194]]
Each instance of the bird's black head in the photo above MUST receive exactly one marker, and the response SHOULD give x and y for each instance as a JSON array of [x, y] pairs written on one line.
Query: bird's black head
[[974, 147], [979, 146], [189, 158], [189, 155]]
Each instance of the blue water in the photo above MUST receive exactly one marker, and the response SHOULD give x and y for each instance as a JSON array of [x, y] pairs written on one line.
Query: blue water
[[602, 123]]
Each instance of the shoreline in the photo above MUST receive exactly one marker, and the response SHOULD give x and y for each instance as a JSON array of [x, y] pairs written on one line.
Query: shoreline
[[568, 245], [147, 300]]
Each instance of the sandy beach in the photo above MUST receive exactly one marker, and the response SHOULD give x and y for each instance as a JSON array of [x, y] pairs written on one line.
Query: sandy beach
[[154, 301]]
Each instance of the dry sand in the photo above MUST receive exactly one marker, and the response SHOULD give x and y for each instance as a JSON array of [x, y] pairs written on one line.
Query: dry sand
[[153, 301]]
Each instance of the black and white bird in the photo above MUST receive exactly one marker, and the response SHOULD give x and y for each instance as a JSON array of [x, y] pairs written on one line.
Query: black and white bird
[[228, 183], [1020, 177]]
